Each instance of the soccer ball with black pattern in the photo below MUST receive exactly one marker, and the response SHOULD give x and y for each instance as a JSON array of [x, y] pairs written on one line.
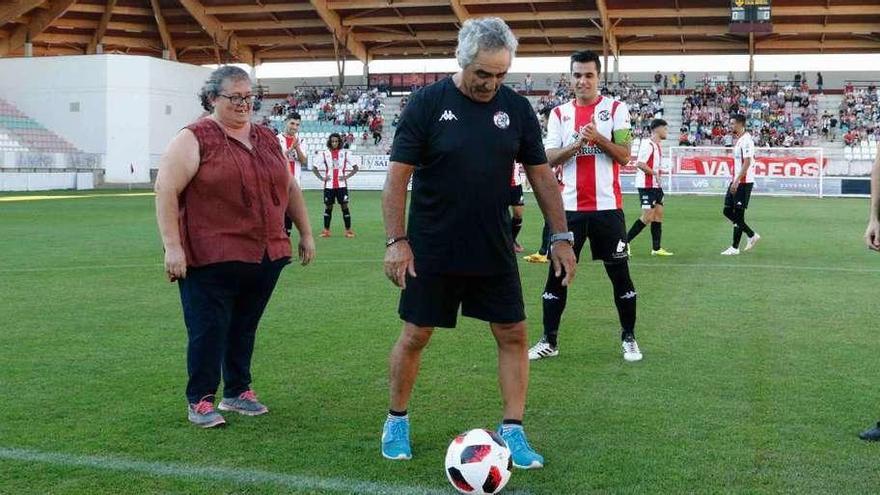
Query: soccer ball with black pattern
[[478, 462]]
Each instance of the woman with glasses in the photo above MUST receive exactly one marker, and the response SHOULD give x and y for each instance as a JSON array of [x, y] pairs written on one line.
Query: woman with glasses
[[222, 191]]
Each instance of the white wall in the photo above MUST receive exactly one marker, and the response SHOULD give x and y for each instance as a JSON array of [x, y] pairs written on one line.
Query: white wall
[[44, 88], [122, 104]]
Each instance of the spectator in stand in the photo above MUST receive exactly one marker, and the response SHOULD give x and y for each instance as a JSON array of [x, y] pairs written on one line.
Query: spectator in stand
[[797, 79], [819, 81], [528, 83], [396, 120], [674, 80], [376, 129], [665, 82], [657, 78], [681, 77], [364, 138]]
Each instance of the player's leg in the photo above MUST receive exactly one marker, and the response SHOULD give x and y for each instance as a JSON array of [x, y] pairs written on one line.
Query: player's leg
[[625, 297], [607, 232], [644, 219], [329, 199], [498, 300], [427, 302], [516, 222], [657, 230], [541, 255], [729, 212], [753, 237], [555, 295], [257, 284], [288, 224], [406, 357], [342, 198], [513, 376]]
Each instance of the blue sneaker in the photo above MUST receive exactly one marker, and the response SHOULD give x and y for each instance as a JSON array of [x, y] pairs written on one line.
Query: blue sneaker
[[521, 453], [395, 439]]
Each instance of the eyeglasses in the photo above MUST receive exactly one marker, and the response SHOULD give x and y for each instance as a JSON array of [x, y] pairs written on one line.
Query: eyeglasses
[[238, 100]]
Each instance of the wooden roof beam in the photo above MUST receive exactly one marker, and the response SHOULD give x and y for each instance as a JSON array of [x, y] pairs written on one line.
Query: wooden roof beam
[[263, 25], [380, 4], [223, 38], [17, 8], [282, 40], [397, 21], [257, 9], [295, 54], [102, 27], [460, 10], [341, 32], [167, 41], [37, 24], [608, 28]]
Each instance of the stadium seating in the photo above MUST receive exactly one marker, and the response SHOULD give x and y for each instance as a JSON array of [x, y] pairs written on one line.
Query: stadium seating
[[317, 124], [778, 115], [18, 132]]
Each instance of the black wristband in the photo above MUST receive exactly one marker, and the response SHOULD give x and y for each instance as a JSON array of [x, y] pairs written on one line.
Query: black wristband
[[394, 240]]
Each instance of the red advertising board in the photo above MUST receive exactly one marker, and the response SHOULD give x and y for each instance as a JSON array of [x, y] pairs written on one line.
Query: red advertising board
[[765, 166]]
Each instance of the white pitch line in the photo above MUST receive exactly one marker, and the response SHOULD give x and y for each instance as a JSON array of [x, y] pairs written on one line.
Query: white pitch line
[[659, 264], [222, 474], [759, 266], [9, 199]]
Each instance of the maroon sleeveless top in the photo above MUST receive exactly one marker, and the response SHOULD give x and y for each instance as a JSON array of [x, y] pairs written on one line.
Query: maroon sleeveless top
[[233, 209]]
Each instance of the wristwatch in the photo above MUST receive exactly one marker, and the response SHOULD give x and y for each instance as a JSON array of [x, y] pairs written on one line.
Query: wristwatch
[[562, 236]]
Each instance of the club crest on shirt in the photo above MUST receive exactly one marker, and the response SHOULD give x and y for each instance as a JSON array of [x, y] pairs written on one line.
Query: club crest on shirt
[[604, 115], [501, 119]]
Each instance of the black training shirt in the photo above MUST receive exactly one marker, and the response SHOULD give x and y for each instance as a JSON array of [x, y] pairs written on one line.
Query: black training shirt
[[463, 151]]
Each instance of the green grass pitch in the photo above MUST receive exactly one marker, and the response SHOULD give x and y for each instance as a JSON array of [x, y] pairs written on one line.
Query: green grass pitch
[[759, 370]]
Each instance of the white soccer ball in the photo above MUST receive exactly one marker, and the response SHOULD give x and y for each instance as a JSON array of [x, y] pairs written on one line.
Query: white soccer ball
[[478, 462]]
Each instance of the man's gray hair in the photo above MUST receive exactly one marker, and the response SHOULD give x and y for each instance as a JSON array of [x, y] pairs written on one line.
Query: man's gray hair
[[212, 87], [486, 33]]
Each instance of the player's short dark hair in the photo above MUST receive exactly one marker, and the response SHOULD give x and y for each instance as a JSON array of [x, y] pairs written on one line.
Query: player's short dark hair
[[585, 56], [330, 138], [739, 118], [657, 123], [293, 116]]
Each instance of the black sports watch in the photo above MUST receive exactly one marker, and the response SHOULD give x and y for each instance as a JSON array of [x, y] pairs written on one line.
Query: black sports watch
[[562, 236]]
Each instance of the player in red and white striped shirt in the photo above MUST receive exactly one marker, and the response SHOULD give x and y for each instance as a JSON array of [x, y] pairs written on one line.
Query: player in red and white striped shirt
[[334, 167], [590, 136], [648, 182], [291, 148]]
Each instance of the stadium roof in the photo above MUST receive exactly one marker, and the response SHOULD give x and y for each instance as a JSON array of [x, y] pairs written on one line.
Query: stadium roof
[[255, 31]]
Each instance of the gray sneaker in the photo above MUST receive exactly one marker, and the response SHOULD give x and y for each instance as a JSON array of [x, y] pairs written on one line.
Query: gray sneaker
[[204, 415], [246, 404]]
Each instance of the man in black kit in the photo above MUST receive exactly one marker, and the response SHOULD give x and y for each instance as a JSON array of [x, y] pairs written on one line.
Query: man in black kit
[[457, 139]]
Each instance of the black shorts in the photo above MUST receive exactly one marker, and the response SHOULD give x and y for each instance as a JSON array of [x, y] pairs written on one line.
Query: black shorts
[[432, 300], [650, 197], [606, 230], [339, 195], [516, 196], [742, 197]]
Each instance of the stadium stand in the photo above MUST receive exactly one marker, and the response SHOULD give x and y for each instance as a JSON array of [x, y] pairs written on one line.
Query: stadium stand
[[18, 132], [859, 112], [778, 115], [352, 112]]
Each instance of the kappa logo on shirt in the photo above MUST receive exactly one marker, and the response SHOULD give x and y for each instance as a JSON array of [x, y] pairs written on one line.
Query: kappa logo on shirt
[[447, 115], [604, 115]]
